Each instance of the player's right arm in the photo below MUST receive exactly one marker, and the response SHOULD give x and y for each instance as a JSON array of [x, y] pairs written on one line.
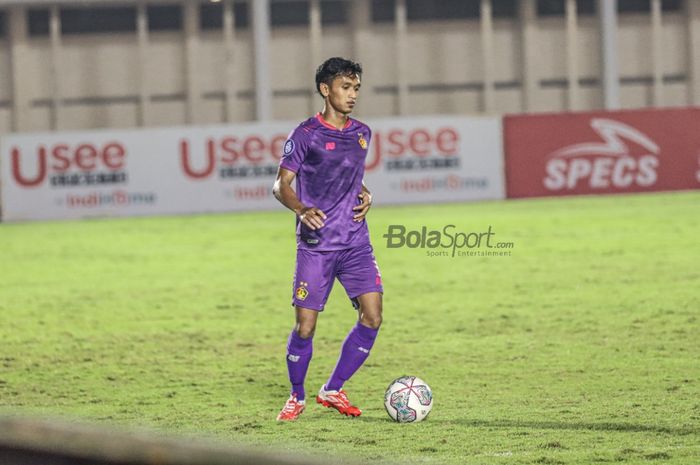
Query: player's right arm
[[312, 217], [295, 149]]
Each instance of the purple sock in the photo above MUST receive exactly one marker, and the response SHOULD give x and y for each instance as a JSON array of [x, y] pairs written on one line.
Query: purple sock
[[353, 354], [299, 352]]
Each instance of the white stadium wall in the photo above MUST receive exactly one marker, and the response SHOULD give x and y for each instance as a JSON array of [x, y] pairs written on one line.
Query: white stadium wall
[[96, 81], [5, 88]]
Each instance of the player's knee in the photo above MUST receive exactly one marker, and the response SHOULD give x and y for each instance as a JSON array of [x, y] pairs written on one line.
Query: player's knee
[[305, 331], [371, 321]]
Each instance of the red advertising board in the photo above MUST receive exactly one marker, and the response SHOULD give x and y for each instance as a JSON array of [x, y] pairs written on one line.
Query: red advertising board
[[602, 152]]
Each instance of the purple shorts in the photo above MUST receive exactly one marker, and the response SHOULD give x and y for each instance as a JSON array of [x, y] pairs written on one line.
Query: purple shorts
[[355, 268]]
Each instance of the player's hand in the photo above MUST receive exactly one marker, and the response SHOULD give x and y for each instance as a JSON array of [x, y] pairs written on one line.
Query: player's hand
[[312, 217], [362, 208]]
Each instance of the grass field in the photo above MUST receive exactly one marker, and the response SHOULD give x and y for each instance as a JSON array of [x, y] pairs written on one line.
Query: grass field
[[581, 347]]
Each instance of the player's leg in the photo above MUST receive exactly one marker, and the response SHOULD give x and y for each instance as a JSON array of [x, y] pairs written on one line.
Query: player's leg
[[359, 341], [369, 309], [300, 349], [359, 274], [313, 280], [299, 352]]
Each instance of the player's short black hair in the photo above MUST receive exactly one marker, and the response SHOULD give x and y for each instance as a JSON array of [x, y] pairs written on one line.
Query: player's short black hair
[[334, 67]]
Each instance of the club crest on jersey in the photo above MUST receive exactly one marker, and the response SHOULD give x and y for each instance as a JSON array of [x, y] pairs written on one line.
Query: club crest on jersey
[[288, 146], [362, 141], [301, 292]]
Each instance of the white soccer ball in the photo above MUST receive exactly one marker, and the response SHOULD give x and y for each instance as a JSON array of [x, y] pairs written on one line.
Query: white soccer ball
[[408, 399]]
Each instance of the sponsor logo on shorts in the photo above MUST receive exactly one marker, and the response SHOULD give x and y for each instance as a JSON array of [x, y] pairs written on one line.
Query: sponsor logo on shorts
[[293, 358], [302, 292], [362, 349]]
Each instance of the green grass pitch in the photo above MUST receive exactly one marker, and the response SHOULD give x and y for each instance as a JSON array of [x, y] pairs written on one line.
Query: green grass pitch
[[582, 347]]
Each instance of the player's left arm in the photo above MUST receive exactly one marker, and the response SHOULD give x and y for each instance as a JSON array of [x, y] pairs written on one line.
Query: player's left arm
[[366, 197]]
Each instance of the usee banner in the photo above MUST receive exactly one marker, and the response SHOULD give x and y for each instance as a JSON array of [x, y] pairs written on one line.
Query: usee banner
[[602, 152], [435, 159], [139, 172], [230, 168]]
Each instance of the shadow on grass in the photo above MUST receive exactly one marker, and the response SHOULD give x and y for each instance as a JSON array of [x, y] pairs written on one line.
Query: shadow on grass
[[558, 425]]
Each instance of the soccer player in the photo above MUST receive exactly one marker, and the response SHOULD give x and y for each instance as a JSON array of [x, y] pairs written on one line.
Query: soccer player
[[326, 154]]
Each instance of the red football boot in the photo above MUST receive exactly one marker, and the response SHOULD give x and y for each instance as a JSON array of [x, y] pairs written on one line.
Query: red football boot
[[337, 400], [292, 409]]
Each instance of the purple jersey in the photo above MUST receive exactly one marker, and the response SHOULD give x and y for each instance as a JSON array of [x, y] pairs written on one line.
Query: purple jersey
[[329, 164]]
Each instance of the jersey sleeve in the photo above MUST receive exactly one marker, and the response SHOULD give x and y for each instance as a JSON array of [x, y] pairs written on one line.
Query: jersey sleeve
[[295, 149]]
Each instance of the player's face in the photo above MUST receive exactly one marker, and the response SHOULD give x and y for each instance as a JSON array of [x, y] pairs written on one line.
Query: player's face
[[343, 93]]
